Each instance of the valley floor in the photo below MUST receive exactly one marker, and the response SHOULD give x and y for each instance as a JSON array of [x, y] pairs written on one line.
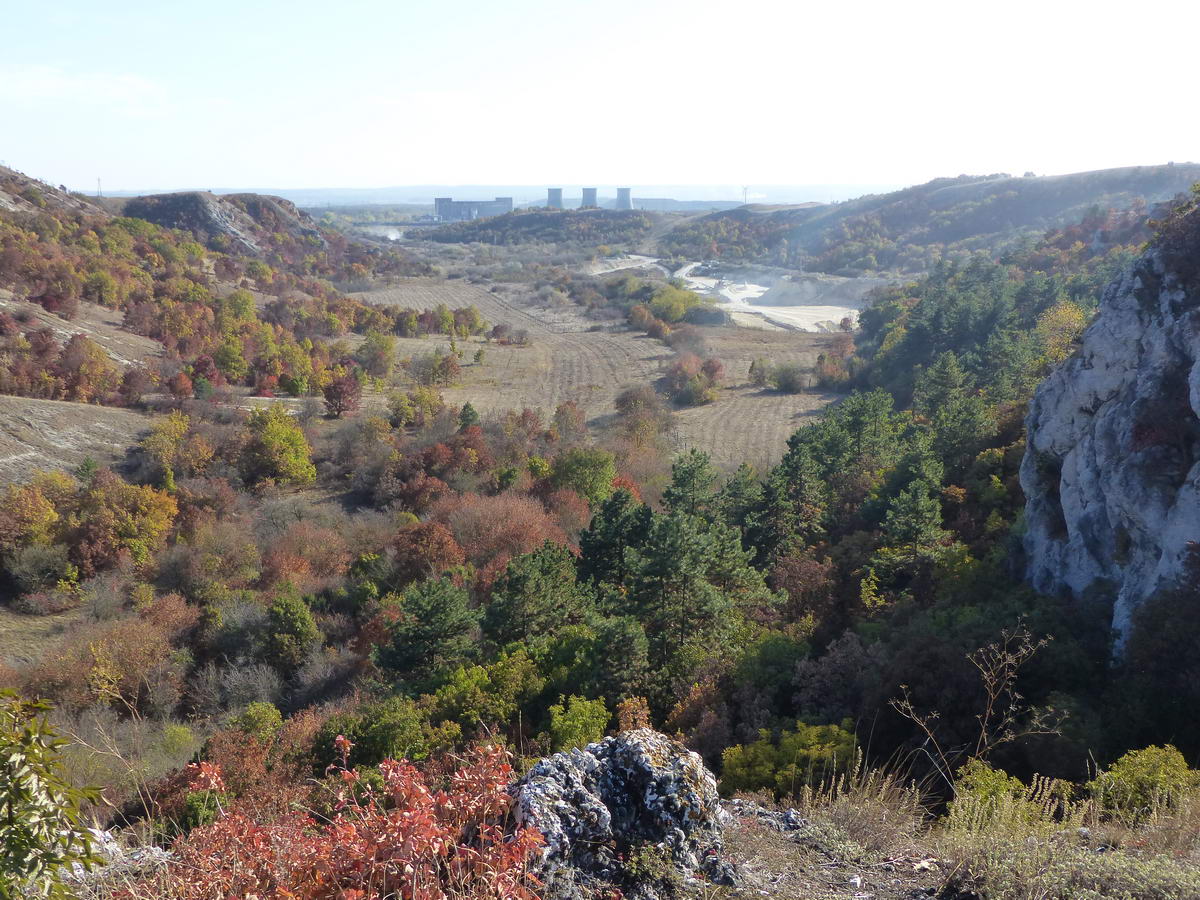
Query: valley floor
[[571, 357]]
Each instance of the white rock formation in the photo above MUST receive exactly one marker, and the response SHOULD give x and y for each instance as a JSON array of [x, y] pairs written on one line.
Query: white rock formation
[[1112, 468], [598, 805]]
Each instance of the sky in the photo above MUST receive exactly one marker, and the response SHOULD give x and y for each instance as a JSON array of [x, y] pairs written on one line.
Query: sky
[[302, 94]]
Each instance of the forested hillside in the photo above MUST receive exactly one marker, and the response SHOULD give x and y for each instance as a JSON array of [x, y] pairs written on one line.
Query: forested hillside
[[592, 227], [913, 229]]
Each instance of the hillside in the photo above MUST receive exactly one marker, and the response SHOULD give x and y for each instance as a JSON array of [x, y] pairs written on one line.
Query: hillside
[[50, 434], [21, 194], [909, 230]]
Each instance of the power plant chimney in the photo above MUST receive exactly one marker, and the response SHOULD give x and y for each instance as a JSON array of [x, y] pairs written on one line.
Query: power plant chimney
[[624, 198], [554, 198], [589, 198]]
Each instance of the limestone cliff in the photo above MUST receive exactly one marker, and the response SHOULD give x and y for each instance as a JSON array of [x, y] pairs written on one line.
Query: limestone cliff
[[1112, 469]]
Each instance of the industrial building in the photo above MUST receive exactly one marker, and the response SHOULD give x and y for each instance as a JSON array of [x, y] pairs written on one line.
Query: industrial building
[[554, 198], [450, 210], [589, 198], [624, 198]]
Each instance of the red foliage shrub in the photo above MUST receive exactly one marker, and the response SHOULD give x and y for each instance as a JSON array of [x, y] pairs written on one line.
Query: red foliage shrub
[[405, 839], [624, 482], [307, 555], [489, 527], [425, 550], [174, 615], [570, 510], [180, 386], [416, 493], [808, 580]]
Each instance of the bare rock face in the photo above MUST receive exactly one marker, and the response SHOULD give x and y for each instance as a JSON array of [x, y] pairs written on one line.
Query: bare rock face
[[1112, 468], [637, 796]]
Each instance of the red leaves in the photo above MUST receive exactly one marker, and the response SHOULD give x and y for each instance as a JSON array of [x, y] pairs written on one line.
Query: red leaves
[[401, 839], [204, 776]]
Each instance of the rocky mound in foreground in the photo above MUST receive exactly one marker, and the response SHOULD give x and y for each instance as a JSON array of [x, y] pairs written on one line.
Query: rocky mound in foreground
[[1112, 469], [637, 816], [634, 812]]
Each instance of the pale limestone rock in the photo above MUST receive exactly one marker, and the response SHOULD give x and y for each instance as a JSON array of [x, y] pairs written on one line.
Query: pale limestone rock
[[1111, 472]]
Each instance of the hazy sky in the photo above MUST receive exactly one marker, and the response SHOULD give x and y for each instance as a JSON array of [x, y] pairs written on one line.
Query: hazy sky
[[237, 93]]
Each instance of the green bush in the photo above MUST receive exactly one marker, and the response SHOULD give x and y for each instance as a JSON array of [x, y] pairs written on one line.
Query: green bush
[[576, 722], [259, 719], [1143, 781], [986, 798], [41, 834], [809, 755]]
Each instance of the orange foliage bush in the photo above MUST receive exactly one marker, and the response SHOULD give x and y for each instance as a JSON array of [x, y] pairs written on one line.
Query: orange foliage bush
[[402, 839], [307, 555], [490, 527]]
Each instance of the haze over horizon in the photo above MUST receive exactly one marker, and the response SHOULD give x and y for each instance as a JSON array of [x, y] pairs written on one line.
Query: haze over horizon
[[287, 97]]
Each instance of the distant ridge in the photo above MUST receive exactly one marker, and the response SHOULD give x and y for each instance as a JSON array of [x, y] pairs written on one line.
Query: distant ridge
[[910, 229]]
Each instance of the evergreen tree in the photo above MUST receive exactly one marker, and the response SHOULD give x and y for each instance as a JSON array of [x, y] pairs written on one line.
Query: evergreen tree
[[693, 479], [433, 630], [672, 594], [536, 595], [621, 523], [962, 427], [741, 497], [291, 631], [913, 524], [467, 416]]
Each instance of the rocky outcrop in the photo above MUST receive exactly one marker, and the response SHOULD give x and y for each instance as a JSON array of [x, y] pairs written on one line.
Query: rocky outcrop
[[1112, 468], [620, 807], [239, 223]]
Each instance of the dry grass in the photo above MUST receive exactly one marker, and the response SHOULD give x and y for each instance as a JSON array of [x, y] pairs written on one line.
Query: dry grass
[[1043, 846], [54, 434], [97, 323], [567, 360], [24, 637]]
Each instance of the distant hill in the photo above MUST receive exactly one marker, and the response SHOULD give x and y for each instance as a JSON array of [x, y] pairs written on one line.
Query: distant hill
[[21, 194], [242, 223], [909, 230], [557, 226]]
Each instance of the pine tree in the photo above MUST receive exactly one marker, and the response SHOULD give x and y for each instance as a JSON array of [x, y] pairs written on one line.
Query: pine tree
[[620, 524], [467, 416], [938, 385], [536, 595], [913, 523], [693, 479], [434, 629]]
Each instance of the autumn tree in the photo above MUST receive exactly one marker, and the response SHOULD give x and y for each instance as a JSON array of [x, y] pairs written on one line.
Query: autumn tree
[[276, 448], [112, 517], [343, 394]]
